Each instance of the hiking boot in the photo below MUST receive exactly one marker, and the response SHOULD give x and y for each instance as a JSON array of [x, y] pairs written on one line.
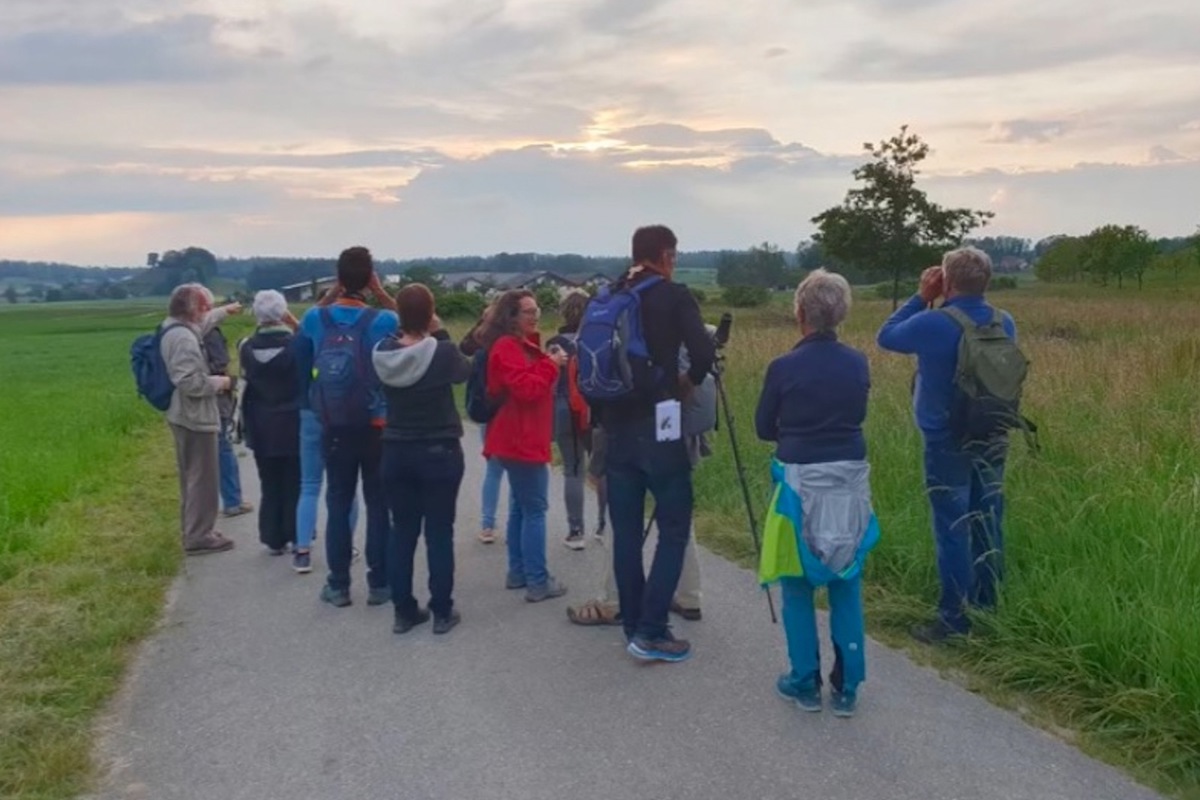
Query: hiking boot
[[405, 622], [238, 510], [443, 624], [690, 614], [215, 543], [549, 590], [487, 536], [574, 540], [805, 694], [514, 581], [843, 703], [338, 598], [936, 632], [302, 562], [665, 648]]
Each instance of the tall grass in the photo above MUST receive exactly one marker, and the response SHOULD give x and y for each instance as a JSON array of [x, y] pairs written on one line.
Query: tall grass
[[1100, 609]]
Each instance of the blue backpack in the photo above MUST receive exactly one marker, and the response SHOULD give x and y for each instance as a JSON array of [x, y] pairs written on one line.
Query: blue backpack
[[149, 370], [344, 385], [480, 407], [611, 346]]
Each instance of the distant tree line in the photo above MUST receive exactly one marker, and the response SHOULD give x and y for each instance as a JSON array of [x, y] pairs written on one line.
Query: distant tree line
[[1114, 254]]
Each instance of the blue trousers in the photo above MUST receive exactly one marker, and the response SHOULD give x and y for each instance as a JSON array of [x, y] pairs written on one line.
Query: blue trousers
[[846, 627], [349, 454], [526, 533], [312, 475], [966, 493], [227, 460], [492, 477]]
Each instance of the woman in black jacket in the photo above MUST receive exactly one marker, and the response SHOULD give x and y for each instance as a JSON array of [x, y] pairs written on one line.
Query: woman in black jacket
[[422, 455]]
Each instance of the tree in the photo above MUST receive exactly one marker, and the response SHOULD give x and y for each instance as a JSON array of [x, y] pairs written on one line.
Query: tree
[[419, 273], [152, 260], [1060, 261], [201, 263], [1117, 251], [887, 226], [10, 294], [763, 266]]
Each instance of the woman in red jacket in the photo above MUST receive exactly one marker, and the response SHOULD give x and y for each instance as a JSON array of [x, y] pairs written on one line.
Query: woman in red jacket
[[521, 378]]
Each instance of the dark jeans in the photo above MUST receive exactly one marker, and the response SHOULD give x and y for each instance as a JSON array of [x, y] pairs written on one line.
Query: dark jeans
[[349, 453], [279, 477], [636, 463], [421, 481], [966, 493]]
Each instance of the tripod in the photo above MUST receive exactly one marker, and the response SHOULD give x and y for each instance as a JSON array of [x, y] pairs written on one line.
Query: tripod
[[718, 373]]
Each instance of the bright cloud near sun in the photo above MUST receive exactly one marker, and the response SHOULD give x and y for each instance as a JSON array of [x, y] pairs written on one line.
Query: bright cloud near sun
[[295, 127]]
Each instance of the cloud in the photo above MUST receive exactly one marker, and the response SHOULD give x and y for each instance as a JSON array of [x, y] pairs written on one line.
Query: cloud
[[1029, 130], [1164, 155]]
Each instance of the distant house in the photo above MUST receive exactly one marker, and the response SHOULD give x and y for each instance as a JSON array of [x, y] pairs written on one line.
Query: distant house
[[303, 291], [493, 283]]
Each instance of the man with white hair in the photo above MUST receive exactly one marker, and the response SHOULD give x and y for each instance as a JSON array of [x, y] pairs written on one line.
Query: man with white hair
[[193, 416], [271, 413], [964, 475]]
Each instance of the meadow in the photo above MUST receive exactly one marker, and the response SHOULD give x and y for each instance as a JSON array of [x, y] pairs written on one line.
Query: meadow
[[1095, 639], [1097, 632]]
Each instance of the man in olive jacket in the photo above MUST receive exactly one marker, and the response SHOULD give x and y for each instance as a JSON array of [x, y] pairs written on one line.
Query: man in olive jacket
[[193, 414]]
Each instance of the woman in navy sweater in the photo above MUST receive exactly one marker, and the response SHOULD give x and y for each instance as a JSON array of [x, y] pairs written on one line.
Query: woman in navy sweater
[[813, 404]]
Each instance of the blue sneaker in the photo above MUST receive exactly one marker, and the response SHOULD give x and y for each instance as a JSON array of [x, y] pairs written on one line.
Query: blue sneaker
[[338, 598], [805, 694], [665, 648], [302, 563], [843, 703]]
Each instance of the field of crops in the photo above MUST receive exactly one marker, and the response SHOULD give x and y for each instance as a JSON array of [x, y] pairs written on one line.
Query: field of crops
[[1103, 530]]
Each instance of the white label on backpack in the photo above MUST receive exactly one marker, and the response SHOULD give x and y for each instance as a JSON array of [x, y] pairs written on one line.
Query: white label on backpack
[[667, 421]]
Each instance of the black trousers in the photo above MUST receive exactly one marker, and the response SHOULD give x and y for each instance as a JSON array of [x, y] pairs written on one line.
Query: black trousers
[[279, 477]]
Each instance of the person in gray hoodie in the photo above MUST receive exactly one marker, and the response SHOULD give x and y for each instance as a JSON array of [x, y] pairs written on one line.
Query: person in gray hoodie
[[422, 455], [193, 415]]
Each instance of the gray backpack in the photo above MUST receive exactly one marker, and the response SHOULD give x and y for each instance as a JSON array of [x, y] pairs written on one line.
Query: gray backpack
[[988, 381]]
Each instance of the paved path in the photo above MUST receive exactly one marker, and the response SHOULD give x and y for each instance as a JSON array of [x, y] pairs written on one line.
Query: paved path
[[254, 690]]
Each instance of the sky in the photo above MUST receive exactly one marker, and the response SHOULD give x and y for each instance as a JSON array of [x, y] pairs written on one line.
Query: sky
[[436, 128]]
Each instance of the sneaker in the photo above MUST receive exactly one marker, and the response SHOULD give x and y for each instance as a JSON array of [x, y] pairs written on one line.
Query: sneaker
[[690, 614], [238, 510], [338, 598], [548, 591], [404, 623], [213, 544], [444, 624], [574, 540], [378, 595], [354, 555], [806, 695], [514, 581], [276, 551], [936, 632], [666, 648], [302, 562], [843, 703], [487, 536], [599, 532]]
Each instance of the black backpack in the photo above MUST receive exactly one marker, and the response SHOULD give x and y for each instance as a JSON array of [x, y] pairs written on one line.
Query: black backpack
[[480, 407]]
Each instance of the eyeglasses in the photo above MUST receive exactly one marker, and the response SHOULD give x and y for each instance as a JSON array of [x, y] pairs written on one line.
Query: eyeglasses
[[531, 312]]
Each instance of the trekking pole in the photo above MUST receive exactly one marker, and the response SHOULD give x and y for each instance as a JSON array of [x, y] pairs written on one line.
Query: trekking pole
[[720, 337]]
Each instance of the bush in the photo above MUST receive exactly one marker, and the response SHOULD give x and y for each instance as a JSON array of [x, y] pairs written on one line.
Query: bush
[[1001, 282], [700, 295], [908, 287], [460, 304], [745, 296], [547, 298]]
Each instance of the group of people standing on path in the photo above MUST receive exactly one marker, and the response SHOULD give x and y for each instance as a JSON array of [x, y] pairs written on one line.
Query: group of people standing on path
[[360, 396]]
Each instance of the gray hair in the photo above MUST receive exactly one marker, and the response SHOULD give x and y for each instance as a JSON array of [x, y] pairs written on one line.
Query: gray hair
[[185, 301], [269, 306], [967, 270], [824, 298]]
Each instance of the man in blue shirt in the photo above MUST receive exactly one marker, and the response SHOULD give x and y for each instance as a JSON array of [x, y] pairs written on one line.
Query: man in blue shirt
[[965, 481], [348, 401]]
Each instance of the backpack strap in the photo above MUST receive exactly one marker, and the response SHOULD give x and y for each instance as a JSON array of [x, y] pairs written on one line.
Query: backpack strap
[[959, 316]]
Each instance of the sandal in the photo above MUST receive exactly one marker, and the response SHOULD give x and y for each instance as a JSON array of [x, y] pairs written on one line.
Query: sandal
[[594, 612]]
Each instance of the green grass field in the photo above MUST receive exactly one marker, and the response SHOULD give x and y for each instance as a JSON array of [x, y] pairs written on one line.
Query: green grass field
[[1098, 624]]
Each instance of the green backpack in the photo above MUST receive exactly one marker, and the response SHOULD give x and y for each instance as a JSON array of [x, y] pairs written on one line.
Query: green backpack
[[988, 382]]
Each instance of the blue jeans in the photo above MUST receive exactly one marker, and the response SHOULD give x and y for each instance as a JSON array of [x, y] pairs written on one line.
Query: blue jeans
[[312, 475], [636, 463], [966, 493], [349, 453], [421, 481], [527, 504], [492, 477], [231, 478], [846, 627]]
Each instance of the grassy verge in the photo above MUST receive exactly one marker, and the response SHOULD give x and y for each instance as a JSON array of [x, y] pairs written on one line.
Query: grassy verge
[[73, 607]]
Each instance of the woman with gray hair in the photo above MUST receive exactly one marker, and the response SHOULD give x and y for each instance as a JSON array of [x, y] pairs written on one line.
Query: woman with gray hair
[[820, 525], [271, 416]]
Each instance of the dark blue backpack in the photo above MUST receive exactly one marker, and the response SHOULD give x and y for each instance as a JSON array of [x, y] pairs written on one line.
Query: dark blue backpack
[[149, 370], [611, 346], [480, 407], [344, 385]]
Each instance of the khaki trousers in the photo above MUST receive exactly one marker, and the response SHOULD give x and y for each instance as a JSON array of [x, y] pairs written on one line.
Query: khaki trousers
[[199, 484], [687, 595]]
